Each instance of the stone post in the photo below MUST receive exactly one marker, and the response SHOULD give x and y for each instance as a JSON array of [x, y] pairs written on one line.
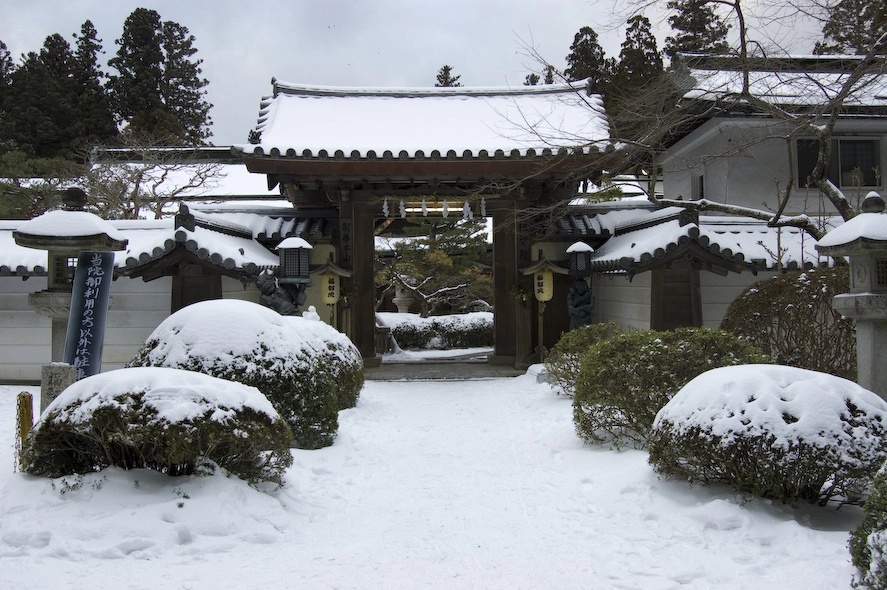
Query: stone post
[[864, 240], [54, 379]]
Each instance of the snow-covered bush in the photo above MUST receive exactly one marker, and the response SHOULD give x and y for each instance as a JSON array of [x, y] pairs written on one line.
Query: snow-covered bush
[[775, 432], [791, 317], [564, 359], [467, 330], [624, 381], [175, 422], [868, 543], [308, 370]]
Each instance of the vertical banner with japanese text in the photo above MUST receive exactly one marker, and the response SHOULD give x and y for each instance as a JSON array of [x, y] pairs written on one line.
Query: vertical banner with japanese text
[[89, 309]]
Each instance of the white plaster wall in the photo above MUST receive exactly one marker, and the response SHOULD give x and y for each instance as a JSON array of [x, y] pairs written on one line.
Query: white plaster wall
[[745, 161], [719, 292], [24, 334], [623, 302], [137, 308]]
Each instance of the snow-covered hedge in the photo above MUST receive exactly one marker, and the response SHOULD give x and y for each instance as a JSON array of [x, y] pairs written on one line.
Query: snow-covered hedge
[[772, 431], [564, 359], [175, 422], [466, 330], [868, 543], [625, 380], [308, 370]]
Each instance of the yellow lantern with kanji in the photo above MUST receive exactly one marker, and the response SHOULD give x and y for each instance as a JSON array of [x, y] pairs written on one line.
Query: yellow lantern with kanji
[[329, 283], [543, 285]]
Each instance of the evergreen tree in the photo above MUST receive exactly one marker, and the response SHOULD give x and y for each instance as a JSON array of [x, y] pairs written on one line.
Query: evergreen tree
[[41, 105], [532, 79], [438, 265], [445, 77], [854, 27], [639, 59], [698, 28], [586, 60], [96, 121], [158, 91], [6, 69], [630, 106]]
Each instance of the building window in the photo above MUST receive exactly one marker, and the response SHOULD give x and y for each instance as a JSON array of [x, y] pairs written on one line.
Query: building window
[[697, 191], [854, 162]]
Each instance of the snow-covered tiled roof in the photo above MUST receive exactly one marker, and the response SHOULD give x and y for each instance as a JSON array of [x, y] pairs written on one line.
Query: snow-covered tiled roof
[[795, 80], [229, 239], [646, 239], [310, 121]]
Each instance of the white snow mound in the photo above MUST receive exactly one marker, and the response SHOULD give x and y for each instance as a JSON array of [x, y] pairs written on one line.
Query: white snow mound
[[176, 395], [786, 402]]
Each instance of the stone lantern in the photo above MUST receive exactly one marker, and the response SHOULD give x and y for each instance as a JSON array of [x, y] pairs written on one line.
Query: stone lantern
[[580, 300], [864, 240], [68, 234]]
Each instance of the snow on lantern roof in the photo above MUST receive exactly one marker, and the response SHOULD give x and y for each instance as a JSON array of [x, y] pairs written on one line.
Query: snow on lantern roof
[[294, 242], [866, 229], [318, 121]]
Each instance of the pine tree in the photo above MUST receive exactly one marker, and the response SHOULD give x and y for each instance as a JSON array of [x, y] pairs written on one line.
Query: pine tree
[[698, 28], [6, 69], [631, 107], [532, 79], [182, 85], [639, 59], [854, 27], [158, 91], [438, 264], [445, 77], [96, 121], [586, 60], [42, 102]]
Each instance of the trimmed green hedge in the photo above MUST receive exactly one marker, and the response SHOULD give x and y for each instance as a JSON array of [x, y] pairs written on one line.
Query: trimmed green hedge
[[625, 380], [564, 360]]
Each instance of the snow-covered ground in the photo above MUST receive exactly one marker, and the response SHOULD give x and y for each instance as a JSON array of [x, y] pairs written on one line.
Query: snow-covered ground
[[479, 484]]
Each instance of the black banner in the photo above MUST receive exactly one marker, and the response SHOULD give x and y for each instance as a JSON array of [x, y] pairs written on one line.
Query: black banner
[[89, 310]]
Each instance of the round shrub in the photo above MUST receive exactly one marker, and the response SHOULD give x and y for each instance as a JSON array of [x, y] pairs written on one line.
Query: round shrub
[[564, 359], [868, 543], [623, 381], [467, 330], [175, 422], [775, 432], [306, 369], [790, 316]]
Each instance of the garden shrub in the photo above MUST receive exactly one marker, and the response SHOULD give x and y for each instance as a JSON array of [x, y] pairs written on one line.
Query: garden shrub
[[307, 369], [790, 316], [623, 381], [775, 432], [172, 421], [868, 543], [564, 359], [469, 330]]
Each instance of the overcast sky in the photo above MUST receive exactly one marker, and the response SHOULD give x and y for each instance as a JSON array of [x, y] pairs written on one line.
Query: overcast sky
[[335, 42]]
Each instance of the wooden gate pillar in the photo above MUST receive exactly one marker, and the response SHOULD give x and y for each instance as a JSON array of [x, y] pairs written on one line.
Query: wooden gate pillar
[[505, 316], [363, 310]]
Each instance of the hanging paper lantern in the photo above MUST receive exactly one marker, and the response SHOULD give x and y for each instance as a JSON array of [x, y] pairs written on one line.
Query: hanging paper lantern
[[446, 208], [385, 208], [329, 283], [543, 285]]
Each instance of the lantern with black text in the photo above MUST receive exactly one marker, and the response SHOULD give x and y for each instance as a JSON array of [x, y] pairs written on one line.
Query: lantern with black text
[[543, 285], [329, 283]]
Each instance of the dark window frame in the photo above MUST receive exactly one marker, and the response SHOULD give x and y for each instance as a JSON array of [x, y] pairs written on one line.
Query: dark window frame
[[846, 151]]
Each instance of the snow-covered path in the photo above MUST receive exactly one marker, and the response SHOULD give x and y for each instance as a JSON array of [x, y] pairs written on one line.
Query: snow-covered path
[[433, 485]]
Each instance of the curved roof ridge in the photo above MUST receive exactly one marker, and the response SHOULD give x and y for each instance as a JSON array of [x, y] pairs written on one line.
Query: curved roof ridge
[[281, 87]]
